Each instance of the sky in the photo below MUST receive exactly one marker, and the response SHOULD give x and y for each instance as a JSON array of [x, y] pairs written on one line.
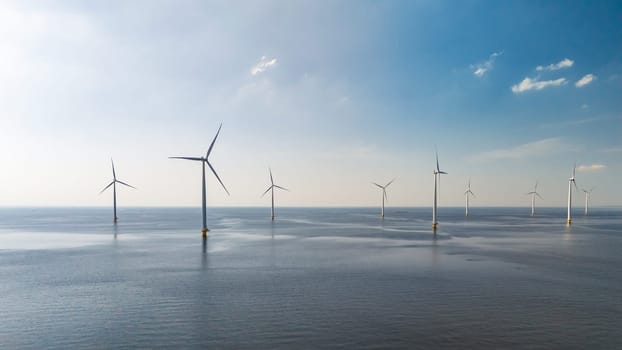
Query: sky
[[330, 95]]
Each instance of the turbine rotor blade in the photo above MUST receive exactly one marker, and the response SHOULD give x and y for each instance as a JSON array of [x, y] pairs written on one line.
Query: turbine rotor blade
[[377, 185], [188, 158], [217, 177], [114, 176], [123, 183], [209, 150], [539, 196], [271, 179], [105, 188], [268, 190], [283, 188], [390, 182]]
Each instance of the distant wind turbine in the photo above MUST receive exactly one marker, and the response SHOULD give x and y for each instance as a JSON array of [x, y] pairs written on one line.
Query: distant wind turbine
[[114, 190], [205, 160], [533, 194], [271, 188], [384, 194], [437, 174], [466, 194], [571, 182], [587, 197]]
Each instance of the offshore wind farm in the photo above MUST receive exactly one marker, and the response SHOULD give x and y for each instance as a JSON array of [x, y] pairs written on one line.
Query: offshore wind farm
[[351, 105]]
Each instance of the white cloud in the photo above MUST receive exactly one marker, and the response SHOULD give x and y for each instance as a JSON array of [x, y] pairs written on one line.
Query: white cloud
[[592, 167], [534, 84], [585, 106], [481, 68], [565, 63], [531, 149], [587, 79], [263, 65]]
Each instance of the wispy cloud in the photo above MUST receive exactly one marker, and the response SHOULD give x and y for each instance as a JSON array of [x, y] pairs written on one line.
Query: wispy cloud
[[576, 122], [565, 63], [535, 84], [612, 149], [263, 65], [585, 106], [531, 149], [587, 79], [591, 167], [480, 69]]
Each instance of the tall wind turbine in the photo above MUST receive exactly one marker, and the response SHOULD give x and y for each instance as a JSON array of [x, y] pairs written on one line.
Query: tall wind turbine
[[271, 188], [466, 194], [205, 160], [587, 197], [571, 182], [437, 179], [533, 194], [114, 190], [384, 195]]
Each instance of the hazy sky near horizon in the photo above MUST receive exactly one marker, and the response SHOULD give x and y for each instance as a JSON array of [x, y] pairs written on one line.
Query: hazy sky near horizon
[[331, 95]]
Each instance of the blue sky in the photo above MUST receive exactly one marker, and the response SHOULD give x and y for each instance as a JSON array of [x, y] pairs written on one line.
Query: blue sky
[[331, 95]]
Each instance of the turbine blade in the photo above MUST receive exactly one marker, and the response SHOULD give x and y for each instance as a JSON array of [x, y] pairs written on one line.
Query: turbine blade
[[390, 182], [377, 185], [574, 168], [271, 179], [209, 150], [219, 180], [471, 192], [442, 172], [268, 190], [283, 188], [437, 166], [123, 183], [105, 188], [384, 193], [187, 158], [114, 176], [539, 196]]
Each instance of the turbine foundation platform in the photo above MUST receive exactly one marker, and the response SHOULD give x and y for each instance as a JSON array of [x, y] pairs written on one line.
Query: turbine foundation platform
[[204, 232]]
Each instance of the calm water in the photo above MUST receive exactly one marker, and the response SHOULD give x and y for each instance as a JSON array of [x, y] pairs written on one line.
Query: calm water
[[316, 278]]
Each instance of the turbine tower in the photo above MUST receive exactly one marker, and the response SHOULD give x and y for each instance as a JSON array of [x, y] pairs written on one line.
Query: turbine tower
[[384, 195], [466, 194], [114, 190], [271, 188], [587, 197], [437, 180], [205, 160], [533, 194], [571, 182]]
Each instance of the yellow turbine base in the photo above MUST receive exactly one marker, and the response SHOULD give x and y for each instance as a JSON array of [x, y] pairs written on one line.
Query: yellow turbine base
[[204, 232], [434, 225], [569, 221]]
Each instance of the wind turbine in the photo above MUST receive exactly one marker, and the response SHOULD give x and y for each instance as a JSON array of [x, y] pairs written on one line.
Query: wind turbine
[[466, 194], [205, 160], [384, 194], [587, 197], [437, 173], [271, 188], [114, 190], [533, 194], [571, 181]]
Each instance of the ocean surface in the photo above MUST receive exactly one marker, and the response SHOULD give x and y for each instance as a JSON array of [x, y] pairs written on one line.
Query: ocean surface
[[314, 279]]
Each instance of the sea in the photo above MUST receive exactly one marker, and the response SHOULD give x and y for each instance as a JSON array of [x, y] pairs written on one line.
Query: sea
[[315, 278]]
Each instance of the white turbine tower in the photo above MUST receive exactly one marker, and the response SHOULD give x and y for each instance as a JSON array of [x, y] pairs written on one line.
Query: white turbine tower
[[384, 194], [466, 194], [114, 190], [271, 188], [205, 160], [571, 182], [587, 197], [533, 194], [437, 180]]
